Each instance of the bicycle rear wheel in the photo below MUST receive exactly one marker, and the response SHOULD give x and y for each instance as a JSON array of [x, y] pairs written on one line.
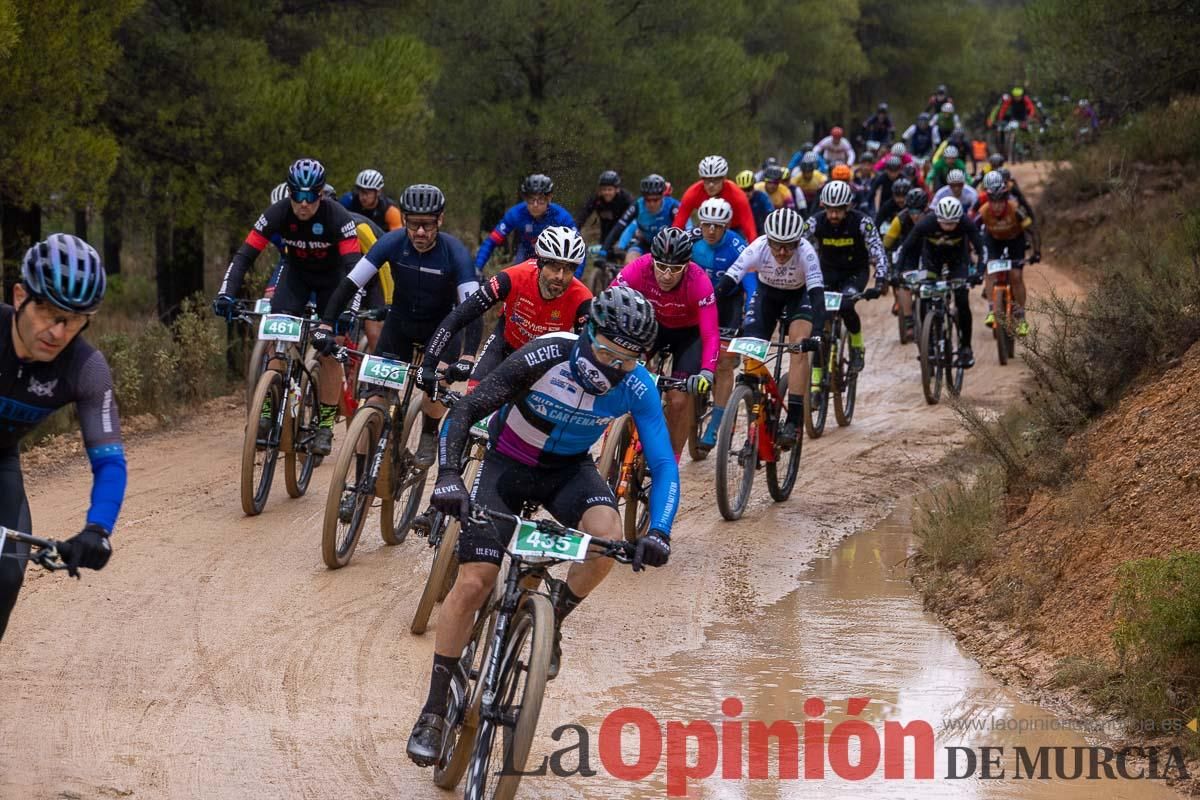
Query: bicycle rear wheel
[[737, 453], [504, 738], [445, 561], [402, 499], [637, 505], [815, 416], [346, 504], [845, 384], [258, 463], [616, 442], [299, 427], [952, 343], [1000, 327], [780, 486], [931, 358]]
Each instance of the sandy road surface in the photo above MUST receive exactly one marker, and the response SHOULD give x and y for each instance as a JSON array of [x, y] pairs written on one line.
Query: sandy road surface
[[216, 657]]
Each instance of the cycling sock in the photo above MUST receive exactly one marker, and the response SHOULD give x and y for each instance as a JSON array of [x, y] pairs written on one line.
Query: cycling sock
[[795, 412], [267, 411], [817, 373], [856, 340], [328, 416], [429, 424], [439, 684], [566, 602]]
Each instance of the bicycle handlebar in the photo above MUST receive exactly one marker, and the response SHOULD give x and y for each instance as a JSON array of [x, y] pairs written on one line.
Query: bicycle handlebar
[[620, 551], [46, 556]]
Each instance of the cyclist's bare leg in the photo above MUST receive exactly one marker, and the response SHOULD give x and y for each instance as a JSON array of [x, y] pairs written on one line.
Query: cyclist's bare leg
[[1017, 276], [372, 329], [679, 419], [905, 298], [798, 362], [584, 576], [723, 380], [457, 615]]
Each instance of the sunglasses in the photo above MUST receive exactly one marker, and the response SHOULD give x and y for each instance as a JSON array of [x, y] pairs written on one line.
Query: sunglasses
[[615, 359], [782, 247], [671, 268], [423, 225], [306, 196]]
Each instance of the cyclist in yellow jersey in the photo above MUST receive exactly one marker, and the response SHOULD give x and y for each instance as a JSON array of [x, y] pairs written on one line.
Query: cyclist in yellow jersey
[[808, 179]]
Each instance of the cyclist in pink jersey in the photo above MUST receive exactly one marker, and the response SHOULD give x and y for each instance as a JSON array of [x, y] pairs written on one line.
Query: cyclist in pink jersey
[[686, 307]]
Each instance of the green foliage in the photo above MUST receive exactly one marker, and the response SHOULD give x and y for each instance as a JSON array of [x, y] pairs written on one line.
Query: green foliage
[[54, 56], [1130, 53], [956, 525]]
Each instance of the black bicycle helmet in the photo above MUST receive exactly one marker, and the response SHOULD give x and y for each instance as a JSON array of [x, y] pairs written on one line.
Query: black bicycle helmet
[[672, 246], [422, 198], [900, 186], [625, 316], [915, 199], [610, 178], [66, 271], [537, 183], [774, 173], [653, 184]]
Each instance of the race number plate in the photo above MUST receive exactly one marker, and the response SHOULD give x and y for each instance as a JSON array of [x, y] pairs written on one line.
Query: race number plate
[[262, 305], [280, 328], [913, 276], [481, 428], [999, 265], [833, 301], [383, 372], [749, 346], [531, 542]]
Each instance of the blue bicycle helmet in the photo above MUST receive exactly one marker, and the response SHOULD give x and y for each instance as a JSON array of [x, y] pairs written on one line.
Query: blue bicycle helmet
[[66, 271], [306, 174]]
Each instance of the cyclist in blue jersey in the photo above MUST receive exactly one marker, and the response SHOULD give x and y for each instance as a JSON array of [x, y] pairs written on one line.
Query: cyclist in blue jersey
[[716, 249], [760, 201], [44, 365], [432, 273], [652, 212], [555, 397], [528, 219]]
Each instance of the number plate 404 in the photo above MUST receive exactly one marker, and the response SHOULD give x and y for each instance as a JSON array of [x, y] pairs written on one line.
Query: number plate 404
[[531, 542], [383, 372], [749, 346], [280, 328]]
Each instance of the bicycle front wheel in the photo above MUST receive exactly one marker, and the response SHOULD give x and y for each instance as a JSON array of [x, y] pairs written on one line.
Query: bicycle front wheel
[[816, 415], [445, 561], [952, 343], [300, 426], [407, 480], [737, 453], [348, 502], [259, 456], [506, 730], [700, 417], [260, 356], [845, 384], [1000, 327], [931, 358], [781, 482], [612, 456]]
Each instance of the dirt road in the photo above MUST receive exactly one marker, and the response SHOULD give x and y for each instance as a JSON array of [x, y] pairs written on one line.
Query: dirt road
[[216, 657]]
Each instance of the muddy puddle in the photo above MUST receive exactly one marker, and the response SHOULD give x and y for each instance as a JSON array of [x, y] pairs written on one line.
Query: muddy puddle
[[854, 628]]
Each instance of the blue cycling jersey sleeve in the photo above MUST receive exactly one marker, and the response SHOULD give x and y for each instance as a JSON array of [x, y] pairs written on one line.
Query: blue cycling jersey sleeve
[[656, 444], [750, 286], [509, 222], [109, 477], [347, 199]]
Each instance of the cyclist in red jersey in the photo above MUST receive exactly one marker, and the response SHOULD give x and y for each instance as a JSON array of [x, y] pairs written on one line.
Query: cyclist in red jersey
[[540, 295]]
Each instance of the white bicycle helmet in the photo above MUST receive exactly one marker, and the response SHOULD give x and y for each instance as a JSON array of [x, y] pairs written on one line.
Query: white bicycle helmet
[[369, 179], [783, 225], [836, 194], [956, 176], [279, 192], [898, 149], [950, 153], [715, 209], [560, 243], [993, 182], [947, 108], [713, 167], [948, 209]]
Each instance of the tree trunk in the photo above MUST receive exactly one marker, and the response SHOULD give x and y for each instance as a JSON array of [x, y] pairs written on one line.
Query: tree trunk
[[111, 245], [81, 224], [179, 258], [19, 228]]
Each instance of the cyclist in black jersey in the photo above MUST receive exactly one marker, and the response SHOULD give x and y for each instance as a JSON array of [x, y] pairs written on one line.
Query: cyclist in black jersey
[[369, 200], [320, 246], [45, 364], [609, 202], [432, 272], [848, 245]]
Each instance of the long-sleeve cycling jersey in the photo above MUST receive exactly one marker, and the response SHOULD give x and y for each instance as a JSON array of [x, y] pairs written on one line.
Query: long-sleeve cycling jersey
[[879, 130], [606, 212], [1020, 110], [743, 217], [640, 222], [761, 206], [527, 315], [921, 141], [427, 285], [716, 259], [328, 241], [528, 228], [968, 197], [782, 197], [938, 247], [690, 303], [851, 246], [835, 152], [546, 418], [30, 391], [1016, 193], [386, 214], [801, 272]]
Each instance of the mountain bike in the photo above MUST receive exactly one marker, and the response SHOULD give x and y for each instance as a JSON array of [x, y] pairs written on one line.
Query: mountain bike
[[940, 341], [43, 552], [747, 437], [260, 355], [702, 408], [605, 269], [837, 379], [441, 530], [351, 325], [290, 396], [377, 459], [493, 725], [623, 464], [1005, 327]]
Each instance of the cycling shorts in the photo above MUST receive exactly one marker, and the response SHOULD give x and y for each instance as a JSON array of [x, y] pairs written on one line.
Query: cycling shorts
[[14, 513], [1004, 248], [297, 286], [774, 307], [502, 484], [401, 337], [730, 311], [684, 346]]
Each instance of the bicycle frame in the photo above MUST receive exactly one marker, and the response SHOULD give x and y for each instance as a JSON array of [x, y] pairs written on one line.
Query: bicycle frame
[[291, 353], [42, 552]]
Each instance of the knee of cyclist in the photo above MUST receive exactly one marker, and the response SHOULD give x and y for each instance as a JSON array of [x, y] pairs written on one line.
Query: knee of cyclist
[[473, 585], [678, 401]]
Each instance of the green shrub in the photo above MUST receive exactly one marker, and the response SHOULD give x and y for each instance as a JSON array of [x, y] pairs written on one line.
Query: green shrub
[[130, 295], [200, 341], [956, 525]]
